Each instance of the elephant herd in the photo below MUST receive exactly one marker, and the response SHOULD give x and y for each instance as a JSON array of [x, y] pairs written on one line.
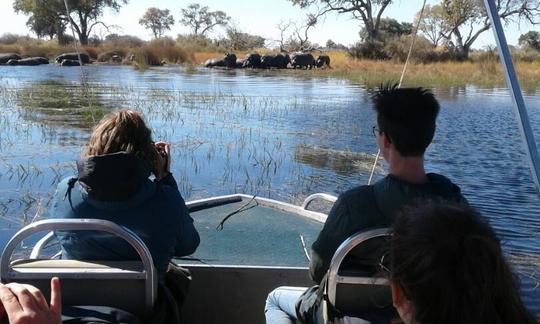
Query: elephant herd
[[66, 59], [278, 61]]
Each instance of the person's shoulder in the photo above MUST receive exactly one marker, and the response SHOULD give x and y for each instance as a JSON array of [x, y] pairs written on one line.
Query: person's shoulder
[[356, 192], [357, 195]]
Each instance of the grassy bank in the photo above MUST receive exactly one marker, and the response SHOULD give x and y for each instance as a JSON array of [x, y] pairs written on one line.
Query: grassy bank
[[483, 69], [482, 72]]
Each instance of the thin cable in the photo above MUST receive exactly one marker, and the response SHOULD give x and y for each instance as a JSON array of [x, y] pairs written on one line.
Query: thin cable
[[415, 35]]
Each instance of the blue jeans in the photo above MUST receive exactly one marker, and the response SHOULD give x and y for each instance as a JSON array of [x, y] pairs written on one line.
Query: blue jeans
[[280, 305]]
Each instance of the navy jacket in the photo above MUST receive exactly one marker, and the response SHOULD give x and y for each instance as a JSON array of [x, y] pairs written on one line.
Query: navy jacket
[[116, 187]]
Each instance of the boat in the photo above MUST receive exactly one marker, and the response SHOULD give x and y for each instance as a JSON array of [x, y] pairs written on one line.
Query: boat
[[249, 246]]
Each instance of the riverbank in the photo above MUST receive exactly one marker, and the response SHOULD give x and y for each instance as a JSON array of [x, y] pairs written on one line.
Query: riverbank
[[482, 69]]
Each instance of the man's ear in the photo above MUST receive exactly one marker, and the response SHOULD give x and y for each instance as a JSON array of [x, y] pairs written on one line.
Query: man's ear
[[397, 294], [401, 303], [386, 141]]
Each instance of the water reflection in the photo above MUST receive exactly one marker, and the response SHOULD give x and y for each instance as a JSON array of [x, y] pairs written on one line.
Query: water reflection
[[61, 104], [342, 162]]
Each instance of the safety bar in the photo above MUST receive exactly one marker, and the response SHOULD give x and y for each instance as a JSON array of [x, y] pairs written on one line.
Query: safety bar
[[324, 196], [343, 250], [85, 225], [36, 250]]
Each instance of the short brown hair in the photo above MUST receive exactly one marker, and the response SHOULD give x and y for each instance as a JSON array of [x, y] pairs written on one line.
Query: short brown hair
[[123, 130]]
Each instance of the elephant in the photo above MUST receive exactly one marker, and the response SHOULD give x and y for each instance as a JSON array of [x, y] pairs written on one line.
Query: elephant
[[252, 60], [30, 61], [85, 59], [5, 57], [67, 62], [229, 60], [281, 61], [240, 63], [303, 61], [322, 60], [267, 61]]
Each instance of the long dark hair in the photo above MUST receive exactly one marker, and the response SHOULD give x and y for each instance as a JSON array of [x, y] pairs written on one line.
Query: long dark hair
[[449, 263]]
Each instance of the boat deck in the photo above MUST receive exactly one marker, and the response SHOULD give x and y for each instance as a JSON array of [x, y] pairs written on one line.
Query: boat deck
[[256, 236]]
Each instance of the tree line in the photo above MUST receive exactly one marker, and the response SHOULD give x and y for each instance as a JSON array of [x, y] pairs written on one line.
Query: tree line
[[454, 25]]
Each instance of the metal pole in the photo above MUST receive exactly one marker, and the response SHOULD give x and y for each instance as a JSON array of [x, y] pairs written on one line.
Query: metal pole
[[513, 85]]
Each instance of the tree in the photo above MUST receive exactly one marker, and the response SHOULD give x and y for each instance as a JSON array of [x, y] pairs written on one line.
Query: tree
[[369, 12], [302, 31], [467, 19], [157, 20], [44, 20], [530, 39], [201, 20], [84, 15], [240, 41], [389, 28], [433, 25], [283, 26]]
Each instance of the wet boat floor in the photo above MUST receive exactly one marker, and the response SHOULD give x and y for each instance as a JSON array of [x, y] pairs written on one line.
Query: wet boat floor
[[256, 236]]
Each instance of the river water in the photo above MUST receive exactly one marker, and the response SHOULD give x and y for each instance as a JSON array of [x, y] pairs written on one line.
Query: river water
[[274, 134]]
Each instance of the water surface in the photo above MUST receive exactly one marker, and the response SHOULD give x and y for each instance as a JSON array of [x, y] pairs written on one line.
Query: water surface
[[271, 134]]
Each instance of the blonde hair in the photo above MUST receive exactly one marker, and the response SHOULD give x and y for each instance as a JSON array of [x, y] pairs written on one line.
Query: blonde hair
[[123, 130]]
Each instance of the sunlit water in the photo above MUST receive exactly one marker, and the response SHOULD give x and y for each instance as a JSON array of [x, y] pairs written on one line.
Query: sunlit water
[[267, 133]]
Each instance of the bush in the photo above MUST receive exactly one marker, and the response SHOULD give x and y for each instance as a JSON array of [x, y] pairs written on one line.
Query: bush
[[369, 49], [123, 41], [9, 39], [199, 43]]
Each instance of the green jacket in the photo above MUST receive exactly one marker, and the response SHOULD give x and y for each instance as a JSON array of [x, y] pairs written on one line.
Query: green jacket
[[373, 206]]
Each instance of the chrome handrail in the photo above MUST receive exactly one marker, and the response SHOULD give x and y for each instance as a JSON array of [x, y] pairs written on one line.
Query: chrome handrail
[[341, 253], [86, 225], [41, 244], [324, 196]]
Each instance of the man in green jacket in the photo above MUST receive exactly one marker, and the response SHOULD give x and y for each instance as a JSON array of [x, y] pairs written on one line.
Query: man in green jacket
[[405, 128]]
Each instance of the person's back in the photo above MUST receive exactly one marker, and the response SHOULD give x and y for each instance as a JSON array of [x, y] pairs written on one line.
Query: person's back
[[406, 122], [113, 184], [446, 266]]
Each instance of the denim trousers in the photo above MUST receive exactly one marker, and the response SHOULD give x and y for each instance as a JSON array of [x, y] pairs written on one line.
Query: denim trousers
[[280, 305]]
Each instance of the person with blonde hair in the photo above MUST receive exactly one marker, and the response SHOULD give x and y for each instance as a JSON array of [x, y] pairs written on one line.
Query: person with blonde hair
[[113, 183]]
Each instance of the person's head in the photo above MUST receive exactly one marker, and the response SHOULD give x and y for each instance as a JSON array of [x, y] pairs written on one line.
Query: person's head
[[446, 266], [405, 118], [122, 131]]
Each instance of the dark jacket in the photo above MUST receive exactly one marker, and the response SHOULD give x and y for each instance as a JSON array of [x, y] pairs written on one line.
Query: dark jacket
[[116, 187], [374, 206]]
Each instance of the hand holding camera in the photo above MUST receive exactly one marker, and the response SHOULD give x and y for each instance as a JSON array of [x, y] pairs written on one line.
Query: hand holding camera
[[164, 164]]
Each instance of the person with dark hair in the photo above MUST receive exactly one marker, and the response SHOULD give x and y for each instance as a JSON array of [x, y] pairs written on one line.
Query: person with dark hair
[[446, 266], [406, 122], [113, 184]]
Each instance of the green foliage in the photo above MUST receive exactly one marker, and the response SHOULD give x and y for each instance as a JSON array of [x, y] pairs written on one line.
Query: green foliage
[[124, 41], [201, 20], [531, 40], [237, 40], [157, 20], [49, 17], [433, 24], [467, 19], [373, 49]]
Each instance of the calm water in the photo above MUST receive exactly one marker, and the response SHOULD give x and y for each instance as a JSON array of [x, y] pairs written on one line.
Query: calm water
[[272, 134]]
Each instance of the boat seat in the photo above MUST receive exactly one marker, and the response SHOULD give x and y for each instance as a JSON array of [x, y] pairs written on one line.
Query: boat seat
[[127, 285], [355, 287]]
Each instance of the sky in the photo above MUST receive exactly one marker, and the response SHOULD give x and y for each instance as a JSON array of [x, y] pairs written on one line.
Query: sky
[[258, 17]]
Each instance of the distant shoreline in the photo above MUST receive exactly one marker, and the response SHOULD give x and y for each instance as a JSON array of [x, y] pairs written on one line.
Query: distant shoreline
[[482, 69]]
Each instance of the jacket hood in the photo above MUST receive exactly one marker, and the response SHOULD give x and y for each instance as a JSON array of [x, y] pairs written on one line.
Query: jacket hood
[[392, 193], [112, 177]]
